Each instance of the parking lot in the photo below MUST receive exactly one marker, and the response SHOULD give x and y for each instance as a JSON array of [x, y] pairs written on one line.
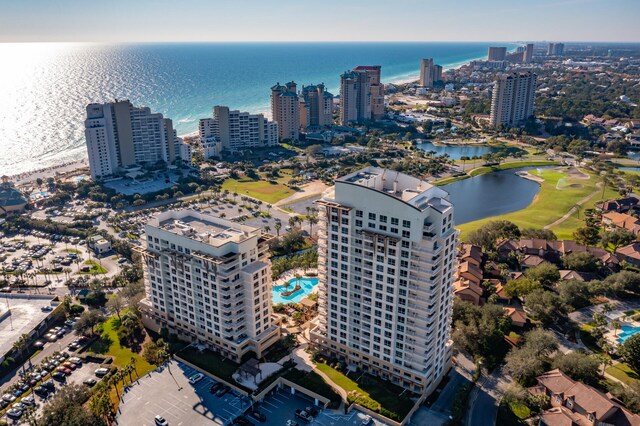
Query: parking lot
[[26, 314], [168, 393]]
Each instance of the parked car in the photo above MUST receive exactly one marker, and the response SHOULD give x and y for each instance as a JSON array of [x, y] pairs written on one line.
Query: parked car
[[90, 382], [241, 421], [38, 344], [366, 421], [160, 421], [196, 378], [29, 400], [292, 423], [303, 415], [311, 410], [14, 413], [101, 372], [214, 387], [223, 390], [59, 376], [50, 386], [41, 391], [8, 397]]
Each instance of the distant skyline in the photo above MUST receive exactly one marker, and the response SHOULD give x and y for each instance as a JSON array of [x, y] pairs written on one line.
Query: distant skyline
[[326, 20]]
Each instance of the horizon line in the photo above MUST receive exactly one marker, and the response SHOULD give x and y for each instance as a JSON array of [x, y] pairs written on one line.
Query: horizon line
[[309, 41]]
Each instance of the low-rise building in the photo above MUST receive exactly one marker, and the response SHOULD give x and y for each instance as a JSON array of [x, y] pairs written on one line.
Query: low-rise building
[[630, 254], [614, 220], [99, 244]]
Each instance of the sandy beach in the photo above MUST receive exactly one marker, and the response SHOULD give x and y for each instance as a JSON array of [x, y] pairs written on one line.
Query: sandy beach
[[24, 178]]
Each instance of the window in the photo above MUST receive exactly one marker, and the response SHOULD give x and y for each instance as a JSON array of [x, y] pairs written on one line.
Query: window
[[372, 216]]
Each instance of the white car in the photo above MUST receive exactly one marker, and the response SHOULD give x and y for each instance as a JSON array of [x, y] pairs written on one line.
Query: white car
[[196, 378], [366, 420], [160, 421], [101, 372]]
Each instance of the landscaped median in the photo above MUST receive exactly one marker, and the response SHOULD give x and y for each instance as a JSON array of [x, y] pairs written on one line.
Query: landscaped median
[[371, 392]]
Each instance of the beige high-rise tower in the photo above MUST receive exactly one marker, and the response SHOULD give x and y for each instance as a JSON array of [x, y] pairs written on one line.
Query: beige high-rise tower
[[386, 254], [513, 99], [285, 110], [430, 73], [377, 89], [355, 96], [316, 107]]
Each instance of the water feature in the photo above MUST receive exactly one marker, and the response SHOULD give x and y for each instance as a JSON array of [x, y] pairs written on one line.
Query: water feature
[[306, 283], [455, 152], [491, 194], [627, 331], [630, 169]]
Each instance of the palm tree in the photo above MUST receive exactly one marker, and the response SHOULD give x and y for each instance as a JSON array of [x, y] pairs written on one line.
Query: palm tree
[[292, 221], [19, 347], [267, 229], [269, 206], [278, 226], [616, 326], [312, 219]]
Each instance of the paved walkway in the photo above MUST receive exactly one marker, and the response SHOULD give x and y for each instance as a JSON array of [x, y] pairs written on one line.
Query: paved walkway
[[573, 209]]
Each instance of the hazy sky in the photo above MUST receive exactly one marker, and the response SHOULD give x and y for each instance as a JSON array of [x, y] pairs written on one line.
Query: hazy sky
[[320, 20]]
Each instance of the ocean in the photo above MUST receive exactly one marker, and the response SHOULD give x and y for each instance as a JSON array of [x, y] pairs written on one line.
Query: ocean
[[45, 87]]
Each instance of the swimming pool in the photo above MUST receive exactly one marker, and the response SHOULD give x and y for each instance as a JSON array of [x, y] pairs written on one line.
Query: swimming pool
[[306, 283], [626, 332]]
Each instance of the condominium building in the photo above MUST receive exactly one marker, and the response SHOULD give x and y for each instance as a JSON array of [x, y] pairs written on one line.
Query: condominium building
[[555, 49], [285, 110], [316, 107], [355, 97], [497, 54], [236, 131], [376, 88], [513, 99], [527, 57], [386, 268], [430, 73], [208, 280], [119, 135]]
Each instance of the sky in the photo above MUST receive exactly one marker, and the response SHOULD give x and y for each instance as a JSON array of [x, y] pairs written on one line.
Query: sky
[[319, 20]]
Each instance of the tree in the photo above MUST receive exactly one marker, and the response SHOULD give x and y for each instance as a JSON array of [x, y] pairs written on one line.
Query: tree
[[19, 347], [546, 274], [543, 234], [624, 281], [88, 321], [630, 351], [546, 307], [581, 261], [157, 352], [579, 366], [540, 342], [66, 408], [531, 359], [521, 287], [115, 304], [574, 293], [616, 238], [278, 226], [586, 235], [487, 235]]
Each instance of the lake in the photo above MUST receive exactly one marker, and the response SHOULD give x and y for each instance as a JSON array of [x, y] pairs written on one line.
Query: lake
[[490, 194], [455, 152]]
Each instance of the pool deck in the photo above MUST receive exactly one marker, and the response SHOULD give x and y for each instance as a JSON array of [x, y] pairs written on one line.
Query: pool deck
[[284, 278]]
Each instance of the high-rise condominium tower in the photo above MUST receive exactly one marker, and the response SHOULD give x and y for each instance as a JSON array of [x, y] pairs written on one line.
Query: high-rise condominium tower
[[236, 130], [119, 135], [430, 73], [355, 97], [376, 88], [528, 53], [385, 265], [208, 280], [513, 99], [285, 110], [316, 107], [555, 49], [497, 54]]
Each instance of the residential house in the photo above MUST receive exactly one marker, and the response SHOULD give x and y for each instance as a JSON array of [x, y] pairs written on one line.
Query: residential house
[[621, 205], [614, 220], [576, 404], [518, 316], [630, 254]]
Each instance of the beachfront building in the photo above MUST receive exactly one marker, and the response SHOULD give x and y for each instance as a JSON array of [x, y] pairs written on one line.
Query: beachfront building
[[208, 280], [119, 135], [430, 73], [232, 130], [355, 97], [555, 49], [497, 54], [376, 88], [528, 53], [316, 107], [513, 99], [386, 258], [11, 200], [285, 110]]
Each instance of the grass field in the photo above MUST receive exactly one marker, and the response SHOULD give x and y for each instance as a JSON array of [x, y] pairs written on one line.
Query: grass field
[[507, 166], [109, 344], [95, 268], [260, 189], [552, 202], [624, 373], [372, 389]]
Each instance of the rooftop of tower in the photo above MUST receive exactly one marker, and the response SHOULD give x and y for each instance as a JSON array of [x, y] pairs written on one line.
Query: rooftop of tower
[[413, 191]]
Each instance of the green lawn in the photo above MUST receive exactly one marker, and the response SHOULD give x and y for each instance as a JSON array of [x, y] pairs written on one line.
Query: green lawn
[[315, 383], [260, 189], [558, 194], [624, 373], [375, 392], [109, 344], [512, 165], [212, 362], [95, 268]]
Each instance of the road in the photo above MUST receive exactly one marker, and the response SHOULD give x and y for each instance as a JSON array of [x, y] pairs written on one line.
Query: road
[[482, 409]]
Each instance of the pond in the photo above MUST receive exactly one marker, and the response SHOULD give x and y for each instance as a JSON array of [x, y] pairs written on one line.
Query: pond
[[455, 152], [307, 285], [490, 194]]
